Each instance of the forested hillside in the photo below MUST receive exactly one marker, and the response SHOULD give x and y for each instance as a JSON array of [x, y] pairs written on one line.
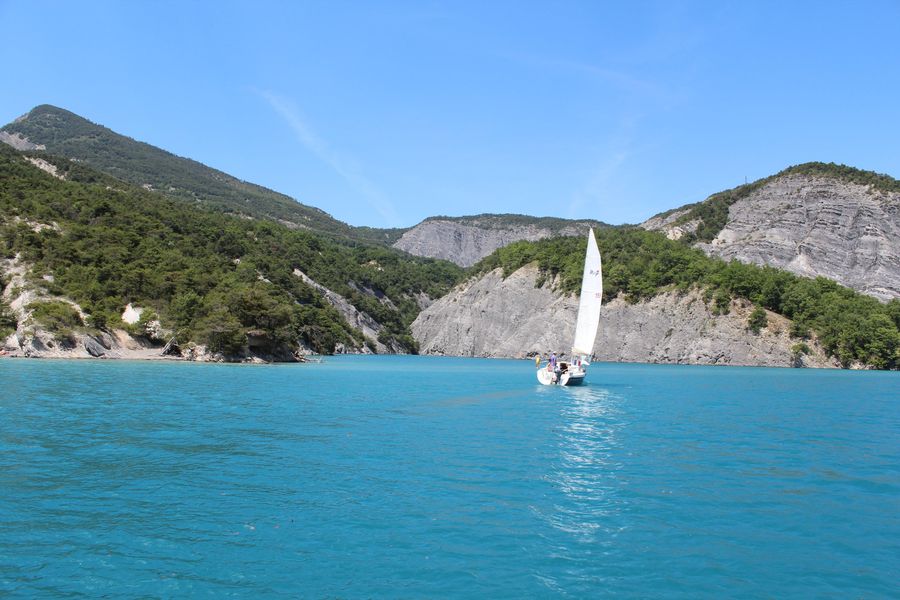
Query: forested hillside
[[65, 134], [212, 278], [640, 264]]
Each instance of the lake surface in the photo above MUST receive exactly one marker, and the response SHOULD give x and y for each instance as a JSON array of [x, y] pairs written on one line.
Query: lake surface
[[415, 477]]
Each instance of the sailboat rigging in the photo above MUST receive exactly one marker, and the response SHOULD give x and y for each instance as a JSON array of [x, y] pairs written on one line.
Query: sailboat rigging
[[589, 303]]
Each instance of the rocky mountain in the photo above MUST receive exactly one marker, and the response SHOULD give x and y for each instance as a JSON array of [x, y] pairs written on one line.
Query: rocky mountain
[[62, 133], [812, 220], [466, 240], [517, 317]]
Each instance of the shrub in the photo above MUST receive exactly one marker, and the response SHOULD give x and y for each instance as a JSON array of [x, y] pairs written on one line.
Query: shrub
[[56, 316], [757, 320], [800, 348], [722, 302], [8, 322], [799, 329]]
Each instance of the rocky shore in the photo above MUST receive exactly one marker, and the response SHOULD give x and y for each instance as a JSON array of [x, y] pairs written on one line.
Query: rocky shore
[[490, 316]]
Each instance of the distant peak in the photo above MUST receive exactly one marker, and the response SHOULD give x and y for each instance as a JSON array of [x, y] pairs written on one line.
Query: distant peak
[[48, 110], [45, 108]]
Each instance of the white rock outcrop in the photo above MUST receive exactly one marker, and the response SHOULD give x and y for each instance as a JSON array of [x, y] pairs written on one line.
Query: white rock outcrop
[[45, 166], [19, 141], [131, 314], [353, 316]]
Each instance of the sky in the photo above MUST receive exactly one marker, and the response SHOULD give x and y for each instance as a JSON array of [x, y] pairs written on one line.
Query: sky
[[384, 113]]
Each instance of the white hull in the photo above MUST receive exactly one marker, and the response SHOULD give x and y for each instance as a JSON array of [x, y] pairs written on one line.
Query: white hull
[[545, 377]]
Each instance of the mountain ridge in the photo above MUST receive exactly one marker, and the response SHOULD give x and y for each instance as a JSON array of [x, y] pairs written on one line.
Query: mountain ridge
[[343, 300], [468, 239], [64, 133], [710, 214], [811, 219], [80, 238]]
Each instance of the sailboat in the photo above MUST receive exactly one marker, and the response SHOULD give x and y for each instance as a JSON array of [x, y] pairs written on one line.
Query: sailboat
[[586, 326]]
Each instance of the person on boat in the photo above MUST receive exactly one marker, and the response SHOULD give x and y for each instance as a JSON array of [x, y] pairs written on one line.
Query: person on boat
[[553, 366], [537, 360]]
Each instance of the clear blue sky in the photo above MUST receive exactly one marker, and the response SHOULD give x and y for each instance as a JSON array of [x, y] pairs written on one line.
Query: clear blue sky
[[383, 113]]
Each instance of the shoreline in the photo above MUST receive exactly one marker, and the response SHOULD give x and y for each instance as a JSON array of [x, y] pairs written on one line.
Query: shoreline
[[145, 354], [153, 355]]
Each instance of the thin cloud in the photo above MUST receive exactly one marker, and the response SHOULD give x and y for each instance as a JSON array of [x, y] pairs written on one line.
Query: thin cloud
[[622, 81], [601, 182], [619, 79], [344, 166], [598, 186]]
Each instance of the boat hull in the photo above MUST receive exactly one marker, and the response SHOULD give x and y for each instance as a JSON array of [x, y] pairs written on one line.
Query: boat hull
[[572, 379], [545, 377]]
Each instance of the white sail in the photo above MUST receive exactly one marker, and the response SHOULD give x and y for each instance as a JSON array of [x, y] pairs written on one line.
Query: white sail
[[591, 297]]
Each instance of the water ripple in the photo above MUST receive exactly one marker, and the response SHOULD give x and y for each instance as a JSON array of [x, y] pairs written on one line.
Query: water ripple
[[424, 477]]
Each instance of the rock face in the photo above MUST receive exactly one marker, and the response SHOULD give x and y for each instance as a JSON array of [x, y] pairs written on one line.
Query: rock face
[[812, 226], [354, 317], [465, 243], [490, 316], [666, 223], [19, 141]]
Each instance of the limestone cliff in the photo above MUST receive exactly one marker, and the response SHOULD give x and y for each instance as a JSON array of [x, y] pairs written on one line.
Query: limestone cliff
[[354, 317], [490, 316], [468, 240], [810, 225]]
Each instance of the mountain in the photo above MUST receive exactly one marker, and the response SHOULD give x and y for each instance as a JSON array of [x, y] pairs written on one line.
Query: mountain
[[62, 133], [78, 246], [516, 316], [664, 302], [116, 224], [814, 219], [466, 240]]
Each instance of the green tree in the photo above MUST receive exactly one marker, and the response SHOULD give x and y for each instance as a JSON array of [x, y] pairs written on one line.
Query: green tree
[[222, 332], [8, 320], [757, 320]]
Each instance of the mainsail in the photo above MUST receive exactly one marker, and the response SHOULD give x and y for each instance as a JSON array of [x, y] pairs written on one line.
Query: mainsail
[[591, 297]]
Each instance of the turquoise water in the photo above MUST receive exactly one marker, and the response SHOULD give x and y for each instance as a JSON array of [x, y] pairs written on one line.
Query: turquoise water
[[415, 477]]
